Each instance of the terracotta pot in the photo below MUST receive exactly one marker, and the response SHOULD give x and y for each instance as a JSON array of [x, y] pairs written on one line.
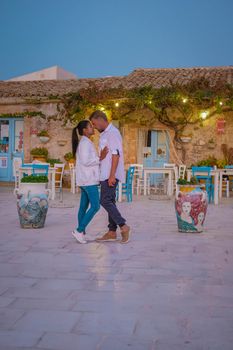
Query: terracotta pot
[[68, 162], [40, 158], [32, 204], [44, 139], [186, 139], [191, 207]]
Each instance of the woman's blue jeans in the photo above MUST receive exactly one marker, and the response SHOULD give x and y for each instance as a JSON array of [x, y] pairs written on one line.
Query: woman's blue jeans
[[89, 199]]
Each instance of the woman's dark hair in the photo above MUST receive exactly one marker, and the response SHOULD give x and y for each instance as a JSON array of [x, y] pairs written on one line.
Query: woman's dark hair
[[75, 140]]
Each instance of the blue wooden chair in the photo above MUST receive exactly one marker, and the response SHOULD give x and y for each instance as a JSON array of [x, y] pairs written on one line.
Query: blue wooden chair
[[127, 187], [40, 169], [206, 178], [26, 165]]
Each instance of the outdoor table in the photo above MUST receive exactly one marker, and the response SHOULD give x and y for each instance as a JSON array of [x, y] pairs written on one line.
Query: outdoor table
[[222, 172], [215, 174], [51, 176], [165, 171]]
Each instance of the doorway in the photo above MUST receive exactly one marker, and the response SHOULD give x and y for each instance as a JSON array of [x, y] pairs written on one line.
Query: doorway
[[11, 145], [156, 152]]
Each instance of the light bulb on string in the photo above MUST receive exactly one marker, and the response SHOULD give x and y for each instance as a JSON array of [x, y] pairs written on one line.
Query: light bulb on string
[[204, 115]]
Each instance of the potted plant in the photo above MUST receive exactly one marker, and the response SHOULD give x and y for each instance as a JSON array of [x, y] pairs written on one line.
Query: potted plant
[[32, 201], [43, 136], [190, 205], [39, 153], [69, 158], [221, 163], [53, 161], [186, 138]]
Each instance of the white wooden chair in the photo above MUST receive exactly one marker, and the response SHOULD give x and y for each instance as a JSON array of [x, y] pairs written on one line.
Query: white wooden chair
[[181, 173], [58, 178], [176, 174], [17, 163], [226, 187], [138, 183], [72, 178]]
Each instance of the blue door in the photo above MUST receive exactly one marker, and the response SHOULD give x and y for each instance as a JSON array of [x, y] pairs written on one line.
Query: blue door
[[158, 152], [11, 146]]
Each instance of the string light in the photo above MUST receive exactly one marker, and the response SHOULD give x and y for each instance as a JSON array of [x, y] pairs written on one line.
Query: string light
[[116, 104], [204, 115], [102, 108], [185, 100], [221, 103]]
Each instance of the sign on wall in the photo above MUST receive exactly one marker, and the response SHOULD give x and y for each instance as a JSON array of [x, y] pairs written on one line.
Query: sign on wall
[[220, 126]]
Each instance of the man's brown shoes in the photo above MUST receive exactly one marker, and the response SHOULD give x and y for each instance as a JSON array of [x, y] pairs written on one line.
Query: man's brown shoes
[[125, 233], [110, 236]]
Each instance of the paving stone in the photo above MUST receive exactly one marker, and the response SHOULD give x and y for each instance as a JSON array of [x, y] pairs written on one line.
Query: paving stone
[[56, 321], [34, 292], [123, 343], [19, 339], [9, 317], [61, 341], [164, 290], [42, 304], [106, 323], [4, 301]]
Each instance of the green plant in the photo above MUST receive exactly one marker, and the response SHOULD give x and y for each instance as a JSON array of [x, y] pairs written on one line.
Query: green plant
[[53, 161], [39, 151], [43, 133], [69, 156], [193, 181], [210, 161], [221, 163], [35, 179]]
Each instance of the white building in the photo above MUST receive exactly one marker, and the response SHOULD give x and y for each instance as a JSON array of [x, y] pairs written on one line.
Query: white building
[[52, 73]]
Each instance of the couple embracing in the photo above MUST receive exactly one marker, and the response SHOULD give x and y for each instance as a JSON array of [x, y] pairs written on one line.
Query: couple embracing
[[92, 170]]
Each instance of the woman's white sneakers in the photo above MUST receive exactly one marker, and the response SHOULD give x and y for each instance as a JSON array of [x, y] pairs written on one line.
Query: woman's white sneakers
[[79, 236]]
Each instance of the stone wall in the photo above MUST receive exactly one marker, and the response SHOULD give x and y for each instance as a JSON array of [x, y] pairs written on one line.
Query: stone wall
[[195, 150], [199, 148]]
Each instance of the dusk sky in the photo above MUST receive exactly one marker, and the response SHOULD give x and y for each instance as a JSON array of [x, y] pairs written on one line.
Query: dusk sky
[[95, 38]]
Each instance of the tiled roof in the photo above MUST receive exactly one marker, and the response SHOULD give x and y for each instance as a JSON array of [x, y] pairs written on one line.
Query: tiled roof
[[138, 78]]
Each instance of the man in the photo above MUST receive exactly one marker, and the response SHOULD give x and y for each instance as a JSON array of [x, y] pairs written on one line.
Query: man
[[111, 172]]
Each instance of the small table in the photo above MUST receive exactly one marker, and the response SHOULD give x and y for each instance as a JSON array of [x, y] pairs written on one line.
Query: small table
[[168, 171], [215, 173], [51, 176]]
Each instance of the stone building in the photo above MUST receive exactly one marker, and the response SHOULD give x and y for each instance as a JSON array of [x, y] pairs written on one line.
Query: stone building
[[27, 107]]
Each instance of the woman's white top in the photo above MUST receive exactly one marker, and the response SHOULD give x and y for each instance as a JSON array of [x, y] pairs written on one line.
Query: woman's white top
[[87, 163]]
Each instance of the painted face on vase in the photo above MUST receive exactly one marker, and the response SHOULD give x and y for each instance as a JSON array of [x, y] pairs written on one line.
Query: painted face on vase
[[200, 218], [186, 208]]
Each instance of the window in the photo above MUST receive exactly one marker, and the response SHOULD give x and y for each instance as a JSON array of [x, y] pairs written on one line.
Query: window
[[18, 136], [4, 136]]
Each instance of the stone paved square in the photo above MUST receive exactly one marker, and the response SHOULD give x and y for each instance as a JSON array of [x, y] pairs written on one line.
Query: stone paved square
[[164, 290]]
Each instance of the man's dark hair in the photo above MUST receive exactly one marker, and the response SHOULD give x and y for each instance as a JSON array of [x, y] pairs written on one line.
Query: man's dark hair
[[98, 114]]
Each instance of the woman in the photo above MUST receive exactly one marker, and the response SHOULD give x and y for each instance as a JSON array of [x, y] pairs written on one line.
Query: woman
[[87, 176]]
